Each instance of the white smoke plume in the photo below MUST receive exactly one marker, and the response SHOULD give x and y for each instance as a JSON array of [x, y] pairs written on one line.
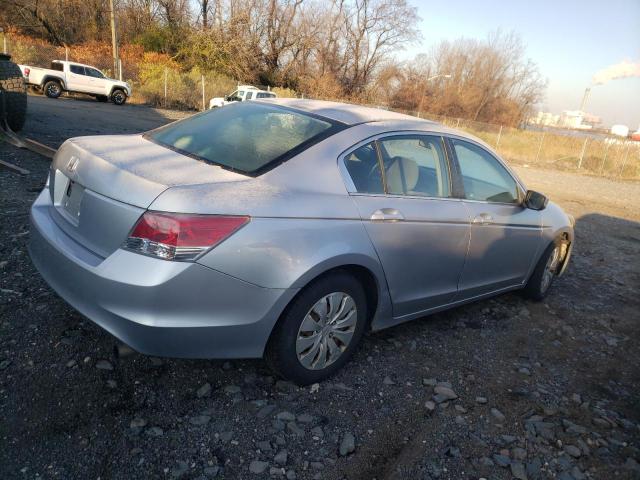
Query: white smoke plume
[[624, 69]]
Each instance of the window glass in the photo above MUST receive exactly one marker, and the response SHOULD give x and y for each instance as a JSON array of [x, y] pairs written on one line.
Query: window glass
[[483, 176], [240, 95], [245, 136], [76, 69], [57, 66], [415, 165], [364, 169], [92, 72], [249, 95], [265, 95]]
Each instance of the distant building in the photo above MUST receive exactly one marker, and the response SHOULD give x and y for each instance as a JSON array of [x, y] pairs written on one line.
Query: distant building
[[578, 119], [545, 119]]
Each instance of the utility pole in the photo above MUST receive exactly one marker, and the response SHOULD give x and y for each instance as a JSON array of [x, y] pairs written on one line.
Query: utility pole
[[114, 40]]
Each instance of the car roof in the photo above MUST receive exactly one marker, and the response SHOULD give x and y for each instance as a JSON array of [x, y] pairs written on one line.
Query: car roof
[[346, 113]]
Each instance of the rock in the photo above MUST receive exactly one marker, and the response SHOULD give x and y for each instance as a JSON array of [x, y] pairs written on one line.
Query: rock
[[486, 462], [518, 471], [452, 451], [446, 392], [387, 381], [257, 467], [212, 471], [204, 391], [317, 431], [104, 365], [180, 469], [573, 451], [264, 445], [200, 420], [305, 418], [519, 453], [281, 457], [430, 406], [71, 363], [347, 445], [138, 423], [430, 382], [524, 371], [286, 416], [154, 432], [291, 475], [498, 415], [232, 389], [276, 472], [265, 411], [112, 383], [534, 469], [295, 429], [481, 400], [501, 460]]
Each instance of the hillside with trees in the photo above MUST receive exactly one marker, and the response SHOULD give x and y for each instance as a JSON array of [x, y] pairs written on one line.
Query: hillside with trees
[[333, 49]]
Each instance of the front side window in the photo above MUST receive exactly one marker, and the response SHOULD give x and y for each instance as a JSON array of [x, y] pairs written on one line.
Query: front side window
[[364, 169], [247, 137], [77, 69], [483, 176], [92, 72], [415, 165], [240, 95]]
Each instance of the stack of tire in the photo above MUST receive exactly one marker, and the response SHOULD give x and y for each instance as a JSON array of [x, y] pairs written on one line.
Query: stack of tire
[[13, 99]]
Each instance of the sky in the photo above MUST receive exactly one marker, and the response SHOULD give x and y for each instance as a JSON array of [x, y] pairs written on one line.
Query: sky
[[569, 40]]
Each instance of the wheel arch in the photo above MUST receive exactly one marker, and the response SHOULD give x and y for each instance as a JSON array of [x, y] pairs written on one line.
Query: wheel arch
[[49, 78], [117, 87]]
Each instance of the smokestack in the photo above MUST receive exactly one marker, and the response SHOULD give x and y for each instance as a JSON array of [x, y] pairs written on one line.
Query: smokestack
[[587, 92]]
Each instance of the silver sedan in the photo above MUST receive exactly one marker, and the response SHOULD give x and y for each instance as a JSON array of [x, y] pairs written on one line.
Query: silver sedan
[[286, 229]]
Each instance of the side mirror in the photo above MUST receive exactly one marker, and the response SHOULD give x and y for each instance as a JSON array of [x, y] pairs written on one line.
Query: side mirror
[[535, 200]]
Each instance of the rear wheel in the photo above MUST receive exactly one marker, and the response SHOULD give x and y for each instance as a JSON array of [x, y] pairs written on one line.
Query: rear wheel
[[14, 93], [320, 329], [52, 89], [544, 274], [119, 97]]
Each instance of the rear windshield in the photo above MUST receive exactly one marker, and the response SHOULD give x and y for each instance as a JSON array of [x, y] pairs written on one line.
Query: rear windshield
[[249, 138]]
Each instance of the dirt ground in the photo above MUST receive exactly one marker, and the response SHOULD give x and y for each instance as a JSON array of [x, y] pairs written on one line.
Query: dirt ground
[[540, 390]]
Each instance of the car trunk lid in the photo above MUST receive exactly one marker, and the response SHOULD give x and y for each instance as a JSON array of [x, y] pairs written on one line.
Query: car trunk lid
[[101, 185]]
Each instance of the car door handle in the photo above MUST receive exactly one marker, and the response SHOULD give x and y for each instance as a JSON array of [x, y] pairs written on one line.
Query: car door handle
[[483, 219], [387, 215]]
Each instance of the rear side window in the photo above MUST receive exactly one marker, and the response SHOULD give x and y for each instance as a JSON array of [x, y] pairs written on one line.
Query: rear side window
[[364, 169], [247, 137], [77, 69], [483, 176], [415, 165], [265, 95], [57, 66]]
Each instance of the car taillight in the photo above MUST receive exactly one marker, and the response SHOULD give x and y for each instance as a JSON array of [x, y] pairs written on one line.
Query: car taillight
[[26, 72], [177, 236]]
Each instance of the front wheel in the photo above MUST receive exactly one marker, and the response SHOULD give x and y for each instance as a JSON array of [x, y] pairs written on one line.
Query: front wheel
[[544, 274], [119, 97], [320, 329]]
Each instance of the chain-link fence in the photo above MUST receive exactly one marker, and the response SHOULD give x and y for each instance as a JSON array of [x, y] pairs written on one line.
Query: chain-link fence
[[158, 81]]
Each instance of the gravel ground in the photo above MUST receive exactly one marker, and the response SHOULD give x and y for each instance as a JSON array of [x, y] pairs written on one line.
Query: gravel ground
[[500, 389]]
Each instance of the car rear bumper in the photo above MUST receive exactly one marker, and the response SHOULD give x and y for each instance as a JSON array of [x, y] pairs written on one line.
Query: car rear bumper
[[162, 308]]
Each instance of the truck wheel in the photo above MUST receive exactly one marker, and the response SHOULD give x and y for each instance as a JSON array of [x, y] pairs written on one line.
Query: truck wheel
[[118, 97], [52, 89], [14, 92], [102, 98]]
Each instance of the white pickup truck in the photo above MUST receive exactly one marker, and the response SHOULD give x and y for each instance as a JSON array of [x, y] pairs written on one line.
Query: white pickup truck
[[76, 77], [244, 92]]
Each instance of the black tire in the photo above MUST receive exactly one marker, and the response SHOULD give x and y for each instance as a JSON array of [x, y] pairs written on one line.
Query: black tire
[[537, 288], [280, 353], [119, 97], [102, 98], [14, 94], [52, 89]]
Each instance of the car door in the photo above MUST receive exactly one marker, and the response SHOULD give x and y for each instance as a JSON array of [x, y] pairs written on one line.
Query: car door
[[505, 235], [77, 80], [97, 82], [402, 188]]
